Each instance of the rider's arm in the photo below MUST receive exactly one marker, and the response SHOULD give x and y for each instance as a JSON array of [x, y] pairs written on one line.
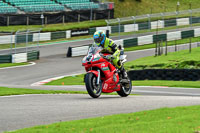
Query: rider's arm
[[115, 50]]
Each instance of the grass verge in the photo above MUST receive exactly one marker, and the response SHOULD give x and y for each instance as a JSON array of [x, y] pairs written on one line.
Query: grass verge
[[184, 84], [170, 120], [4, 91], [175, 60], [55, 27], [3, 65], [78, 80], [71, 80]]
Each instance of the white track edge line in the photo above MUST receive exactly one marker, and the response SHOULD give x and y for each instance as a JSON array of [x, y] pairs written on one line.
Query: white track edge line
[[52, 79], [32, 63]]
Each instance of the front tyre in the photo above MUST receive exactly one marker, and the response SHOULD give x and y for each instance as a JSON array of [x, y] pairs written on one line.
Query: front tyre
[[93, 89], [125, 89]]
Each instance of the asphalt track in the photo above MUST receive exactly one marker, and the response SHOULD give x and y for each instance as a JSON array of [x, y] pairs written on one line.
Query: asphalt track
[[30, 110]]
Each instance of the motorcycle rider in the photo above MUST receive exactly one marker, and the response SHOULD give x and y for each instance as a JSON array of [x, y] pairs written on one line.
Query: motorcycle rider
[[110, 47]]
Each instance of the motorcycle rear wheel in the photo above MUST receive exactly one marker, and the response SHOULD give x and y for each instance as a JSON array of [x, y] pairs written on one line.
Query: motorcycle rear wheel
[[125, 91], [93, 89]]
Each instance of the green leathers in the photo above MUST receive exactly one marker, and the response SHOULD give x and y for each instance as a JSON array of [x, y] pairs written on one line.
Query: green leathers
[[111, 47], [108, 46]]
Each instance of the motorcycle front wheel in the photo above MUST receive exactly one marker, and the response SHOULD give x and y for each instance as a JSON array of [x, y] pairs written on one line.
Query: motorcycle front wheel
[[93, 89], [125, 89]]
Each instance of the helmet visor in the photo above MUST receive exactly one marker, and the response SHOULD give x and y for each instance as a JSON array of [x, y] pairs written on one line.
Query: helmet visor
[[97, 40]]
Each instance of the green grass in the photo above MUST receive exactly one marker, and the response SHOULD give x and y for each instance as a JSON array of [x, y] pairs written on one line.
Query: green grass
[[164, 120], [184, 84], [12, 64], [55, 27], [78, 80], [71, 80], [133, 7], [176, 60], [4, 91]]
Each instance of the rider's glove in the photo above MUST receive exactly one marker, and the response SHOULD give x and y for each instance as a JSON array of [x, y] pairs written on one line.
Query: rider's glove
[[109, 57]]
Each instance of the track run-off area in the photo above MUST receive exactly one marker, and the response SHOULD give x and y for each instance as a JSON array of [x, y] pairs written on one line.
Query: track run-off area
[[31, 110]]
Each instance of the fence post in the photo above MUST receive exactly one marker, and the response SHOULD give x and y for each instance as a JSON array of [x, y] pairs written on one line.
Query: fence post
[[190, 47], [134, 23], [166, 48], [190, 18], [177, 18], [94, 15], [163, 18], [27, 33], [27, 20], [11, 45], [63, 19], [79, 17], [38, 40], [149, 19], [42, 17], [16, 40], [175, 46], [156, 49], [8, 20], [159, 48], [90, 12], [119, 26]]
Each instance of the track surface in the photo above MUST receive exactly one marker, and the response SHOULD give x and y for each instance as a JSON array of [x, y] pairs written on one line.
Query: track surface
[[29, 110]]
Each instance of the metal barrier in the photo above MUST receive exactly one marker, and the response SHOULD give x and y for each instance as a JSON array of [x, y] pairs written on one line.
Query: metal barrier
[[147, 22], [157, 39], [23, 47], [28, 39]]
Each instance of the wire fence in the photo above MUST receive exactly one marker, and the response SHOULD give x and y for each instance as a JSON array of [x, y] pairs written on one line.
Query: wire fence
[[22, 41], [154, 21]]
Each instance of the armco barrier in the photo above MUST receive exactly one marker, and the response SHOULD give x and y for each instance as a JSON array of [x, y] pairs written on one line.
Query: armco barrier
[[58, 35], [165, 74], [33, 55], [5, 58], [20, 57], [142, 40], [77, 51], [21, 38]]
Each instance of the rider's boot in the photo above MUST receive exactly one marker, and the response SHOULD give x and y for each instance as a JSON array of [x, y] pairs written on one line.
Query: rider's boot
[[124, 73], [125, 78]]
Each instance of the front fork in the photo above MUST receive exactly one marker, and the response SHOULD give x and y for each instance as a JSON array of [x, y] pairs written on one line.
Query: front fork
[[98, 78], [97, 74]]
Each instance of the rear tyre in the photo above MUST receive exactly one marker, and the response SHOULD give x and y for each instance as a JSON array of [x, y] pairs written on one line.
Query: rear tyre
[[93, 89], [125, 89]]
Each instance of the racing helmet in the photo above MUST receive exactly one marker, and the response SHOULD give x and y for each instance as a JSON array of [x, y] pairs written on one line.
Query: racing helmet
[[99, 38]]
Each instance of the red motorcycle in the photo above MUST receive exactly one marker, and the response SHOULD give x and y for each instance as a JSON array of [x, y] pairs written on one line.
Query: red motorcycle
[[102, 76]]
